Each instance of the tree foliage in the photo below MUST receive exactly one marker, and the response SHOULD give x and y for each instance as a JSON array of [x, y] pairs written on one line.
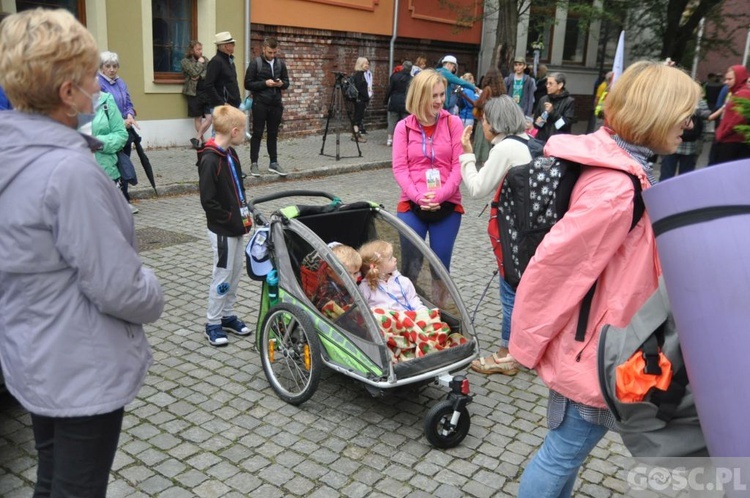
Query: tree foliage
[[659, 28], [743, 107]]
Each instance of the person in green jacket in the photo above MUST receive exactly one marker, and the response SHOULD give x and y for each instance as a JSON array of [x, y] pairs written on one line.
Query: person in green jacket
[[109, 128]]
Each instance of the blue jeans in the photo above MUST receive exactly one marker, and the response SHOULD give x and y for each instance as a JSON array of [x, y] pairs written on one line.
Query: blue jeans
[[442, 239], [553, 470], [508, 300]]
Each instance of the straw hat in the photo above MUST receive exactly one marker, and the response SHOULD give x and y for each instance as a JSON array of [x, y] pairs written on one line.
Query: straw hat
[[223, 38]]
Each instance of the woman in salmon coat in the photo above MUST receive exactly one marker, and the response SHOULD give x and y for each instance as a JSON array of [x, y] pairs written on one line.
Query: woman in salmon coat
[[647, 110]]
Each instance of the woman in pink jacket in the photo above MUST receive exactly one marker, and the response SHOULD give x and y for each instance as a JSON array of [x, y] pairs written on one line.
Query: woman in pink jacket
[[647, 110], [426, 148]]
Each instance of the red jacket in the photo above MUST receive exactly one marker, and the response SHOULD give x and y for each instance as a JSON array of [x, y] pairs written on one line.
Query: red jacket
[[726, 132], [592, 241]]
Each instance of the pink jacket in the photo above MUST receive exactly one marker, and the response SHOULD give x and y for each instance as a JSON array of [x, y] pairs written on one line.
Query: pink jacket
[[591, 241], [410, 164]]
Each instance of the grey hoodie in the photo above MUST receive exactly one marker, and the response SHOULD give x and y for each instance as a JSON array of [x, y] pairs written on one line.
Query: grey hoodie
[[73, 291]]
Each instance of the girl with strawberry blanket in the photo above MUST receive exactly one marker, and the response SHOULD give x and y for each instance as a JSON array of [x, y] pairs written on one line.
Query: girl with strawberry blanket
[[411, 329]]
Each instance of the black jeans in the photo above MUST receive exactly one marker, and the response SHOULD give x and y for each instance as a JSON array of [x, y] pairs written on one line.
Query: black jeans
[[269, 117], [75, 454], [359, 112]]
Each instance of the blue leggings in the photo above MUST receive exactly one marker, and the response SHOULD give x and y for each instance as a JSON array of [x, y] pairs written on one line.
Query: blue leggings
[[442, 238]]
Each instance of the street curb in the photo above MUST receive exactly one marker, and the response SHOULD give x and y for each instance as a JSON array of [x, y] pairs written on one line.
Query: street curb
[[266, 178]]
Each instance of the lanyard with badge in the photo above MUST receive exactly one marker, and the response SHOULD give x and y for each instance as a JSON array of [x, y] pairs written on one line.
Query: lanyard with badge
[[432, 175], [405, 303], [244, 211]]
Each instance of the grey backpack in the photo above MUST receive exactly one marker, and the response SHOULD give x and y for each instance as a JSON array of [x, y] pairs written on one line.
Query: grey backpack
[[665, 424]]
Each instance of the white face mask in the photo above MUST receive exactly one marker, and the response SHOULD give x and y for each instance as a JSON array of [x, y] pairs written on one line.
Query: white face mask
[[85, 118]]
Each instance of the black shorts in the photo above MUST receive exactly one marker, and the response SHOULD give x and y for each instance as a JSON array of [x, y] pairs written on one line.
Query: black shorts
[[197, 106]]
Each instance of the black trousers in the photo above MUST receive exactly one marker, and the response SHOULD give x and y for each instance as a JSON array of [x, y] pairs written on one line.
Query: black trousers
[[359, 112], [75, 454], [268, 117], [724, 152]]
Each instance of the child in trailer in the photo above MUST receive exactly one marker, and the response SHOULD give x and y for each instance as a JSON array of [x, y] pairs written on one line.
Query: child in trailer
[[382, 285], [411, 329], [331, 297]]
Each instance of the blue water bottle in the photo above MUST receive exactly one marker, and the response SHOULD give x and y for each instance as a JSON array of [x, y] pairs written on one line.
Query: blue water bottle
[[272, 280]]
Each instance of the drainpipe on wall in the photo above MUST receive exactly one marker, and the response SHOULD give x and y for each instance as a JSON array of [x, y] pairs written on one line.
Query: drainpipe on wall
[[247, 59], [247, 33], [393, 37]]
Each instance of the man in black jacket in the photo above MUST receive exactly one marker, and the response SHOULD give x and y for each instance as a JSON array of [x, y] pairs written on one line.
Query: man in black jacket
[[266, 77], [221, 74]]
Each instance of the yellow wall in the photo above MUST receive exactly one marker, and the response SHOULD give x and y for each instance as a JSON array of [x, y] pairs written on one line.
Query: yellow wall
[[129, 34]]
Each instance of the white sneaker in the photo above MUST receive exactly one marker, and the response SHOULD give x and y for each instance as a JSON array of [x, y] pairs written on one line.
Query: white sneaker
[[133, 209]]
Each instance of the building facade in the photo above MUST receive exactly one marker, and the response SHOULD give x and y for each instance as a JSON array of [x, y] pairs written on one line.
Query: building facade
[[316, 37]]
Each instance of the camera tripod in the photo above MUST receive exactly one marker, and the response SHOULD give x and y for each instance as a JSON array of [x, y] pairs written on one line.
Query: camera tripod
[[335, 111]]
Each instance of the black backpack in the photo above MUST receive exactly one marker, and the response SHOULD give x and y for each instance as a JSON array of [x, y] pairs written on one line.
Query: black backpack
[[694, 133], [350, 89], [531, 199]]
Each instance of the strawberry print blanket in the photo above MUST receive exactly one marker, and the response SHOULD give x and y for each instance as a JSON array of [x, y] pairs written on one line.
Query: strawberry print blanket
[[413, 334]]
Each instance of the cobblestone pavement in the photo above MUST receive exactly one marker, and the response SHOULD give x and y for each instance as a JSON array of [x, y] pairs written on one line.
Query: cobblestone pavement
[[207, 424]]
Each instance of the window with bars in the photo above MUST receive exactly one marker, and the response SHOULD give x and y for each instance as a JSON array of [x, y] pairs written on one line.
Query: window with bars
[[174, 25]]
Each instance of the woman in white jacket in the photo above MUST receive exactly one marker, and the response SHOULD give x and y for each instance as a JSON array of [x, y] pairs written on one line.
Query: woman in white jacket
[[73, 292], [503, 125]]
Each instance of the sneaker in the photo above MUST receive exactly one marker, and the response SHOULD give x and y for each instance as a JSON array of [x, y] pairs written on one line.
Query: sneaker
[[254, 170], [133, 209], [276, 168], [234, 325], [215, 335], [389, 142]]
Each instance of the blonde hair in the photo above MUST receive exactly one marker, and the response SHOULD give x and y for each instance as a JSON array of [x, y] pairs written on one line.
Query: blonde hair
[[374, 254], [227, 117], [348, 256], [40, 50], [419, 95], [648, 100], [360, 64]]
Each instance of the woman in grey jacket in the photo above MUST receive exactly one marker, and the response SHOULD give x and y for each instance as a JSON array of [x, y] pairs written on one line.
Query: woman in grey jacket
[[73, 292]]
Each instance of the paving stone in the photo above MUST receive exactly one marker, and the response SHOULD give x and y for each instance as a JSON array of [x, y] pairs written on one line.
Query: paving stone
[[207, 422]]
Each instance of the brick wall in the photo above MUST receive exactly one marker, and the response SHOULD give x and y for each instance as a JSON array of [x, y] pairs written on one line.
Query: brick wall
[[312, 56]]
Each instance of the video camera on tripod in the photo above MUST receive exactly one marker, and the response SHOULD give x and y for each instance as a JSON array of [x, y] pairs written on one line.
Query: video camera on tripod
[[346, 83], [344, 95]]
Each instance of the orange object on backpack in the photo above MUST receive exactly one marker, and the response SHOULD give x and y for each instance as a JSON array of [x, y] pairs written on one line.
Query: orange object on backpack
[[632, 383]]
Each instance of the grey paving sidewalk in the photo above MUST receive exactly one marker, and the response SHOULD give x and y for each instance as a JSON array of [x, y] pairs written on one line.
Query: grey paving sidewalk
[[206, 423], [176, 173]]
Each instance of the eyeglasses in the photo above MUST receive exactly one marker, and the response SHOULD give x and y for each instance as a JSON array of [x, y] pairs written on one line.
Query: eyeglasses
[[688, 122]]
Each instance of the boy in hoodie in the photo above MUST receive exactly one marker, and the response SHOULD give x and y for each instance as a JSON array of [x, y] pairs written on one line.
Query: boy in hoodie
[[729, 143], [228, 218]]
